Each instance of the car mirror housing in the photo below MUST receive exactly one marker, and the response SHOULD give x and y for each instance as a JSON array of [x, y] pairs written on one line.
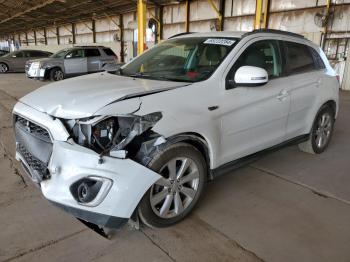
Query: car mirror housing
[[250, 76]]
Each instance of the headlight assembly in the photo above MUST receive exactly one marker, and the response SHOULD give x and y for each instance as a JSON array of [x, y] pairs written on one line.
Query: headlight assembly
[[106, 134]]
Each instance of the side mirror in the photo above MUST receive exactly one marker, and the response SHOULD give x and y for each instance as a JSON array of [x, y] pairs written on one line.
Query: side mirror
[[250, 76]]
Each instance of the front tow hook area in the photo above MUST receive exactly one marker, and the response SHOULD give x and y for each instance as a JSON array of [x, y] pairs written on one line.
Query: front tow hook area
[[99, 230], [109, 233]]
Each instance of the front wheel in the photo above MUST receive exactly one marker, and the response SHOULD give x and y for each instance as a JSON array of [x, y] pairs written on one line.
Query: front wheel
[[56, 74], [321, 132], [174, 196], [3, 68]]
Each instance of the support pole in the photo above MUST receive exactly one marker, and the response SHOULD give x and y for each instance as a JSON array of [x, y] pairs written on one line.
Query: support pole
[[328, 6], [93, 31], [26, 35], [265, 23], [325, 29], [141, 22], [35, 40], [73, 34], [258, 11], [161, 22], [187, 23], [45, 36], [222, 4], [121, 28], [218, 13], [58, 35]]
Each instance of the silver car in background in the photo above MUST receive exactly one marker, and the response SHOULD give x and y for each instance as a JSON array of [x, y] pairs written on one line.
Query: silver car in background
[[78, 60], [15, 61]]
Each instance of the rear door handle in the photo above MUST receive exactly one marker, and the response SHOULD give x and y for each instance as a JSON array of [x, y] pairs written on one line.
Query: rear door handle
[[282, 95]]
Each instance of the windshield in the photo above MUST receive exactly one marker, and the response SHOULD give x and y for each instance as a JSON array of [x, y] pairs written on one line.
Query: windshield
[[183, 59], [60, 54]]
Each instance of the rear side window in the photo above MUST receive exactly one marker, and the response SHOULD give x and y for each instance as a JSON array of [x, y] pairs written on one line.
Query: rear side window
[[37, 54], [299, 58], [109, 52], [92, 52]]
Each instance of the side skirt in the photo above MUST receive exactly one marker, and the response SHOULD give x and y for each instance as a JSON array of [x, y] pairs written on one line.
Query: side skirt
[[235, 164]]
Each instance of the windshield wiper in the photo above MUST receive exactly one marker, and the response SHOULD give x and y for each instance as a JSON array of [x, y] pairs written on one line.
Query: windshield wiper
[[147, 76]]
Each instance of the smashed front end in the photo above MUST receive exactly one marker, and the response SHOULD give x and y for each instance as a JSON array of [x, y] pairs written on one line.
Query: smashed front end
[[93, 168]]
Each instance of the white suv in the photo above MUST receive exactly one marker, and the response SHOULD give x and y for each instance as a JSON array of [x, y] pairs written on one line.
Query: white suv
[[142, 143]]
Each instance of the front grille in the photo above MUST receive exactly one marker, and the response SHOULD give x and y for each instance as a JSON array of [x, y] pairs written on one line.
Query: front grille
[[34, 128], [33, 162], [35, 146]]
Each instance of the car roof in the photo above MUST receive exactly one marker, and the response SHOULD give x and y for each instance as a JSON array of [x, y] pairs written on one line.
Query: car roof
[[32, 50], [234, 34], [89, 46], [240, 34]]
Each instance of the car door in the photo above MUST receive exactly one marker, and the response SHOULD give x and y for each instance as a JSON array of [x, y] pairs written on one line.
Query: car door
[[303, 81], [75, 62], [255, 117], [93, 56], [18, 60]]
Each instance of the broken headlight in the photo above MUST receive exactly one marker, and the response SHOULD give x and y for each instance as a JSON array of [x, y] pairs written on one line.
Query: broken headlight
[[112, 133], [104, 132]]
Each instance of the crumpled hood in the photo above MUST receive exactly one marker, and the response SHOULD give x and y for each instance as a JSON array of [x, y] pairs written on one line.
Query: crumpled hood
[[82, 96]]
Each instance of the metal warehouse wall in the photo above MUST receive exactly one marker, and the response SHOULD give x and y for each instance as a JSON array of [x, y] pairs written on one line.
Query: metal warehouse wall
[[292, 15]]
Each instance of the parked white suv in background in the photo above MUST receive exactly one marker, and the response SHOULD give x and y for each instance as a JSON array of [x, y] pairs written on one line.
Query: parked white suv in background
[[108, 147]]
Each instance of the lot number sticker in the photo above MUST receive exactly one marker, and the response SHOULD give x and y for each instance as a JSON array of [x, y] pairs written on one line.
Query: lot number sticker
[[216, 41]]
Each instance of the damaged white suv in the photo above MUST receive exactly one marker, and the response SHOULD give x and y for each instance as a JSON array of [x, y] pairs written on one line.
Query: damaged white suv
[[142, 143]]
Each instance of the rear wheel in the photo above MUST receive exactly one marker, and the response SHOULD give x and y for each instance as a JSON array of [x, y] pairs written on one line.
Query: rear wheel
[[173, 196], [3, 68], [321, 132], [56, 74]]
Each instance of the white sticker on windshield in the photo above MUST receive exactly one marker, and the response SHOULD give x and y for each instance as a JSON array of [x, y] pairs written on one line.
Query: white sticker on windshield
[[217, 41]]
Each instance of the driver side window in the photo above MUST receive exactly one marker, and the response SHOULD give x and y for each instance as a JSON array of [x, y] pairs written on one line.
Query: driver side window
[[264, 54]]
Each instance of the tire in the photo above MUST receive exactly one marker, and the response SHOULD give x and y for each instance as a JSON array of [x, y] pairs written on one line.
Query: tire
[[169, 200], [56, 74], [321, 132], [3, 68]]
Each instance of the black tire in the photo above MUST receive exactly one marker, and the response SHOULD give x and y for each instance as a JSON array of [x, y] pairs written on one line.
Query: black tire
[[4, 68], [56, 74], [146, 211], [313, 145]]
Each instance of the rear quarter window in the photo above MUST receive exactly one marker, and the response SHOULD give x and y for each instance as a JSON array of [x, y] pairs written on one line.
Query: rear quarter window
[[109, 52], [319, 64], [299, 58]]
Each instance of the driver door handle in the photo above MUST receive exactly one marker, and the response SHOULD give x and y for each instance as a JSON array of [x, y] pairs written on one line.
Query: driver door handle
[[282, 95]]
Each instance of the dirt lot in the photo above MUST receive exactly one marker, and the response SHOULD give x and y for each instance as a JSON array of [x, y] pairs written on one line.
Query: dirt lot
[[288, 206]]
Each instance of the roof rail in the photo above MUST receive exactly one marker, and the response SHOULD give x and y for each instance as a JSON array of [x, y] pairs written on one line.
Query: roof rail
[[274, 31], [186, 33]]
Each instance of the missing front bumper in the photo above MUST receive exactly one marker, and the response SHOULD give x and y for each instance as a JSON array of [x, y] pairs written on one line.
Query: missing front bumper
[[70, 163]]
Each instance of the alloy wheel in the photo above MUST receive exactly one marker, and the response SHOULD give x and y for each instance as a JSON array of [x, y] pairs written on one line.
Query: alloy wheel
[[323, 130], [174, 192], [58, 75], [3, 68]]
